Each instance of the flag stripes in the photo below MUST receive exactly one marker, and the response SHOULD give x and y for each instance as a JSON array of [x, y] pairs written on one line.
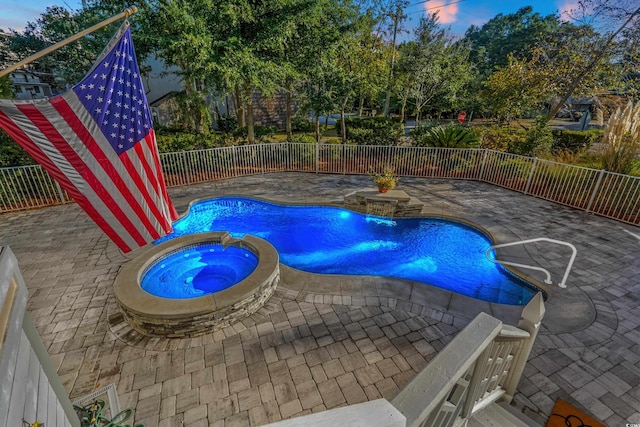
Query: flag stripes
[[97, 141]]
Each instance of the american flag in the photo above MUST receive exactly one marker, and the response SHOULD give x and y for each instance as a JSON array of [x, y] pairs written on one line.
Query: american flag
[[97, 141]]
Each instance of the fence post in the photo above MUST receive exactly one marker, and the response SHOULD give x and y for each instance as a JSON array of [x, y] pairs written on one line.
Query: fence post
[[261, 155], [60, 193], [288, 147], [595, 190], [533, 169], [317, 157], [344, 158], [235, 160], [186, 169], [530, 321], [484, 162]]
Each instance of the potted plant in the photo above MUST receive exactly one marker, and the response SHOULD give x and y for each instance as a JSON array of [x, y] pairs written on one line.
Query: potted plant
[[385, 180]]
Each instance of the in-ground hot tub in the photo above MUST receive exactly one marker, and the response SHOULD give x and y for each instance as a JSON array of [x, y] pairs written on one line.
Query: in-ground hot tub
[[202, 295]]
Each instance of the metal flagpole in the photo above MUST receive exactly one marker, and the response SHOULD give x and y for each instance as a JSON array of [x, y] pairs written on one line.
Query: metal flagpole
[[127, 12]]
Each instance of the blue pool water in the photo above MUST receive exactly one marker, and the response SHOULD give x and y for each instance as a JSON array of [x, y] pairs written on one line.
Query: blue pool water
[[198, 270], [330, 240]]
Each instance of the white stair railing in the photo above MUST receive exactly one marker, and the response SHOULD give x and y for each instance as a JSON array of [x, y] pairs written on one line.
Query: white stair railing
[[548, 281], [480, 366]]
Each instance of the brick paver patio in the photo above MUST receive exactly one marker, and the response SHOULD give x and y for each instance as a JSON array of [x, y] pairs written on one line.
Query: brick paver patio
[[317, 347]]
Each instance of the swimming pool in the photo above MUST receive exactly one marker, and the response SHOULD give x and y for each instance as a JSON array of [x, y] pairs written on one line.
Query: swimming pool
[[331, 240]]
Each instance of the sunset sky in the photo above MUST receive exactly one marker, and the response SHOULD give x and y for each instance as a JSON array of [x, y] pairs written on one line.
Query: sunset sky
[[459, 14]]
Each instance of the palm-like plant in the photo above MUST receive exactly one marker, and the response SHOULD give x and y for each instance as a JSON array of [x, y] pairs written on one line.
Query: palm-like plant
[[450, 136]]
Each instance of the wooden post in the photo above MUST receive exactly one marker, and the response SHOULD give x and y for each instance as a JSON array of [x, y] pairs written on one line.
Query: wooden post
[[530, 321], [127, 12]]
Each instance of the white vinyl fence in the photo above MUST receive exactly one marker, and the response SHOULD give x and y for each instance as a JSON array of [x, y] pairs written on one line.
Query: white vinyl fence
[[604, 193]]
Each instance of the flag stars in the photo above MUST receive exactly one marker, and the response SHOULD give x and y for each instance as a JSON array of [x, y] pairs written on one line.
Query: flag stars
[[103, 76], [101, 88], [98, 110], [88, 96], [120, 146], [83, 86]]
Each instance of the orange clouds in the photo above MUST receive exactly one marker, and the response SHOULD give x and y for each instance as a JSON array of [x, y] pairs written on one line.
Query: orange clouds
[[447, 14]]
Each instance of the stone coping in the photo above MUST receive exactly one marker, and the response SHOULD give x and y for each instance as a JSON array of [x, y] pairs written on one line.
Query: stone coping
[[130, 295], [399, 195]]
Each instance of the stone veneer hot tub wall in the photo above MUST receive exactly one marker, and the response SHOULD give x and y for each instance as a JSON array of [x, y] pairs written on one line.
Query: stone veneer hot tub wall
[[157, 316]]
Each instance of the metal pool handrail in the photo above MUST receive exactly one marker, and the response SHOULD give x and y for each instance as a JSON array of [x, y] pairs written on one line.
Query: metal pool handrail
[[548, 281]]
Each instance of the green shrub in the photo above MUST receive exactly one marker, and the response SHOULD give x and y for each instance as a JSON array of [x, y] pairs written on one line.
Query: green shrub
[[452, 136], [262, 133], [12, 154], [227, 124], [301, 123], [538, 140], [306, 138], [574, 141], [372, 130], [424, 127], [172, 140], [500, 138]]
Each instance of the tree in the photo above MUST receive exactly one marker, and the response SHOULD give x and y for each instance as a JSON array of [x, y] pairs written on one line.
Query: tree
[[516, 34], [69, 64], [597, 52], [433, 68], [317, 32], [517, 88]]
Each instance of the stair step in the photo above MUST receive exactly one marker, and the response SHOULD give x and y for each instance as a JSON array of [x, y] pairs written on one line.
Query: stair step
[[497, 415]]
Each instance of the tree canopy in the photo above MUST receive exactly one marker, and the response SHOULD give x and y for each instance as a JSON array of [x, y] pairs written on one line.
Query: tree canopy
[[336, 56]]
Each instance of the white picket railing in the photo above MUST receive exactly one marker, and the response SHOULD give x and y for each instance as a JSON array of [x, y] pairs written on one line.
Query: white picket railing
[[604, 193], [480, 366]]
